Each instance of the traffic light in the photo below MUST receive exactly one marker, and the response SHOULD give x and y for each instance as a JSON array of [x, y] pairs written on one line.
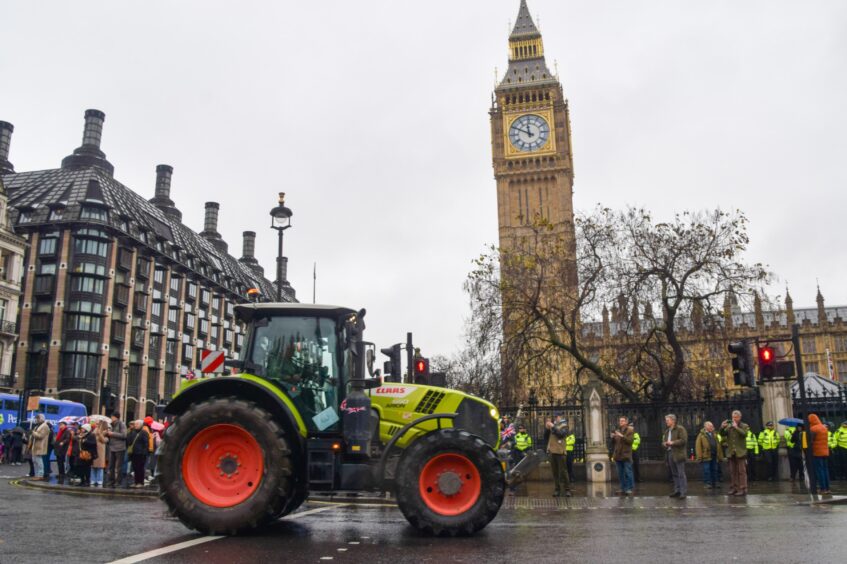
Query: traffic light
[[742, 364], [767, 363], [392, 367], [421, 370]]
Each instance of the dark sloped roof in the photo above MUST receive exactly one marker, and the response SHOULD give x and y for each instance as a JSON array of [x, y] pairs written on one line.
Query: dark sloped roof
[[524, 26], [37, 193]]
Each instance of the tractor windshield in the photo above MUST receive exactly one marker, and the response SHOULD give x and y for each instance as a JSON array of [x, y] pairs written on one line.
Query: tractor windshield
[[301, 355]]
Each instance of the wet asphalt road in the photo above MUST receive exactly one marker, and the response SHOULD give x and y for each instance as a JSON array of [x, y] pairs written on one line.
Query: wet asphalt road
[[44, 527]]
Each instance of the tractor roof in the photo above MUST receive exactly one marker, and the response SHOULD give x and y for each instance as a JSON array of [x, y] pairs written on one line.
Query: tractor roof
[[246, 312]]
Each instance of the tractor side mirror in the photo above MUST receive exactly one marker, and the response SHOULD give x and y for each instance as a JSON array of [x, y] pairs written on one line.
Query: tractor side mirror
[[371, 383], [369, 356]]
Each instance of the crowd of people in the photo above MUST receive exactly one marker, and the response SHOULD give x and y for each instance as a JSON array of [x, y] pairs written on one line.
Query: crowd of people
[[95, 451], [732, 442]]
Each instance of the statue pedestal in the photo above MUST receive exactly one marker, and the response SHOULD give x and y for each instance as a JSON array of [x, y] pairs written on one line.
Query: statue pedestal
[[597, 464]]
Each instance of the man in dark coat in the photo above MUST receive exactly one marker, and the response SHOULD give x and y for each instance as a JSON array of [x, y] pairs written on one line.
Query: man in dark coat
[[675, 441], [622, 455]]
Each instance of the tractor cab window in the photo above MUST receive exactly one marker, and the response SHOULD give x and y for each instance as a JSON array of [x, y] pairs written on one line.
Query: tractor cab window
[[300, 354]]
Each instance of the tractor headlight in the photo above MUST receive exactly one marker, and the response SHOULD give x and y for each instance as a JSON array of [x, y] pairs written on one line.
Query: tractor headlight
[[494, 414]]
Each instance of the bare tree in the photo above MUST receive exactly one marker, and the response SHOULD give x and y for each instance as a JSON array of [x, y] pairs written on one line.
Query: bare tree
[[548, 285]]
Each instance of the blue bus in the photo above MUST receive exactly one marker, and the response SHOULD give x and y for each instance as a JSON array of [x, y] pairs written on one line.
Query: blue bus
[[53, 410]]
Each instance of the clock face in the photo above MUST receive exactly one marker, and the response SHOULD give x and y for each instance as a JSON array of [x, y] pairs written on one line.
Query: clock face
[[529, 132]]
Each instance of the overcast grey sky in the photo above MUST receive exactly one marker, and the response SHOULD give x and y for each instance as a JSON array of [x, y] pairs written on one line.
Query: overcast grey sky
[[372, 116]]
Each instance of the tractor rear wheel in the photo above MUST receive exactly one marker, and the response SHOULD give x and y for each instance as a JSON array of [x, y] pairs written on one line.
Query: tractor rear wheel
[[449, 482], [225, 467]]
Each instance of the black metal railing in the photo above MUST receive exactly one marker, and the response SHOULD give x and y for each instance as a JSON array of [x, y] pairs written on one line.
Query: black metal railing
[[534, 418], [648, 418], [830, 404]]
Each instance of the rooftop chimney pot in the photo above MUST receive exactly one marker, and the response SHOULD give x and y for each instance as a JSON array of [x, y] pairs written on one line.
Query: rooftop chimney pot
[[6, 130]]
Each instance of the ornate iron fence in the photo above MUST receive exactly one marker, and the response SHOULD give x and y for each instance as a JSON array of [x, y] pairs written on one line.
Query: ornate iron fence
[[648, 417], [829, 404], [534, 417]]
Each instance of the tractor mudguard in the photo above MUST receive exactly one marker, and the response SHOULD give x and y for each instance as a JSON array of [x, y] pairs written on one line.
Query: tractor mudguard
[[245, 386]]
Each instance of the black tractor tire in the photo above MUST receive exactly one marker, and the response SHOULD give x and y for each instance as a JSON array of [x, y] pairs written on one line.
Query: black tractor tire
[[472, 448], [269, 500]]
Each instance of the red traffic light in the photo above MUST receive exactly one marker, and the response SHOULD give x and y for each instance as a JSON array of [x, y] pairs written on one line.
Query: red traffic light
[[421, 366], [766, 355]]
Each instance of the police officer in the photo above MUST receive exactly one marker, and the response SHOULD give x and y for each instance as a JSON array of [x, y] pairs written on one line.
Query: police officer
[[570, 443], [830, 441], [752, 454], [769, 444], [636, 442], [840, 451], [523, 442]]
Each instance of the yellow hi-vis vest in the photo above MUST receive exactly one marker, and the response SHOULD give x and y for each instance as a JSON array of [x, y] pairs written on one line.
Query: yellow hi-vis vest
[[769, 440], [570, 441], [787, 435], [636, 441], [752, 443], [841, 437], [523, 441]]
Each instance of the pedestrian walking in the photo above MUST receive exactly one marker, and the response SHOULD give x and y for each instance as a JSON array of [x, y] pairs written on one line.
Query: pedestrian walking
[[117, 452], [60, 447], [675, 441], [137, 448], [839, 453], [98, 465], [795, 452], [622, 438], [39, 438], [709, 453], [752, 444], [554, 437], [769, 446], [85, 450], [820, 452], [736, 432], [46, 457]]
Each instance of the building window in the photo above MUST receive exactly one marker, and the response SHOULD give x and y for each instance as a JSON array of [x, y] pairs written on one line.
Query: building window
[[3, 305], [172, 317], [80, 370], [812, 367], [192, 290], [47, 246], [841, 367], [82, 346], [87, 284], [189, 322], [809, 345], [840, 343], [90, 268], [91, 247], [47, 268], [204, 326], [159, 276], [174, 285], [156, 310], [214, 336], [80, 306], [90, 212], [205, 297], [88, 323]]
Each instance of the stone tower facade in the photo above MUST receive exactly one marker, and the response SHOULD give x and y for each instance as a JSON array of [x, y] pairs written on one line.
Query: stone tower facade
[[533, 167]]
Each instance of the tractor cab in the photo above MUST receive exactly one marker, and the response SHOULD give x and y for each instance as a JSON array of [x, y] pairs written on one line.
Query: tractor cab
[[307, 352]]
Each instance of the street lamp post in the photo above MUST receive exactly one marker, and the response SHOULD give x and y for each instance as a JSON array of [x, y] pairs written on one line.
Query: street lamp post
[[280, 220]]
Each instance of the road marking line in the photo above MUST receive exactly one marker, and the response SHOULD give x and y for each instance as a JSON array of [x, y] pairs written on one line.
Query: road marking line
[[194, 542]]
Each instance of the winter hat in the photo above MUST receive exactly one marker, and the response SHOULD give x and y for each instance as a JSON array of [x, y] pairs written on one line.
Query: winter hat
[[86, 428], [148, 420]]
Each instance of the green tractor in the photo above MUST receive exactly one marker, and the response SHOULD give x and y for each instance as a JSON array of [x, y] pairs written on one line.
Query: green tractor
[[306, 416]]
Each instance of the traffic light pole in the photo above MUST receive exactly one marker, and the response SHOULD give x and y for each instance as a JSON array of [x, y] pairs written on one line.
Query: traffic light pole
[[410, 359], [798, 361]]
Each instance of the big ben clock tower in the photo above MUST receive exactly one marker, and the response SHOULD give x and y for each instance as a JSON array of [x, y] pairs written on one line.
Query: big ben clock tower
[[533, 167], [530, 139]]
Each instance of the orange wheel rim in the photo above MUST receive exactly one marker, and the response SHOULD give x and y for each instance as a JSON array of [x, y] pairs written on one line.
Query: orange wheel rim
[[449, 484], [223, 465]]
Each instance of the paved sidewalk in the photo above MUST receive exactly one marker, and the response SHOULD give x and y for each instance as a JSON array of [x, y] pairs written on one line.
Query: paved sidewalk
[[538, 495]]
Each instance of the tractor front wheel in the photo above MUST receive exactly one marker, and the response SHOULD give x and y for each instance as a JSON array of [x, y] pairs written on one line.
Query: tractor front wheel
[[449, 482], [225, 467]]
